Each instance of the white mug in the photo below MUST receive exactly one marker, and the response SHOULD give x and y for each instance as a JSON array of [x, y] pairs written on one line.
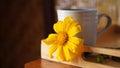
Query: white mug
[[88, 18]]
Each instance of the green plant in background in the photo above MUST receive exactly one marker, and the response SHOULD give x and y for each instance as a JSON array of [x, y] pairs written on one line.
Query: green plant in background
[[101, 57]]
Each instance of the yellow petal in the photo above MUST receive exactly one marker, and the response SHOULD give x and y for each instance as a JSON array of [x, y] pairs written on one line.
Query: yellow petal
[[67, 54], [52, 49], [74, 30], [51, 39], [70, 25], [72, 49], [68, 19], [81, 45], [74, 52], [74, 40], [59, 26], [81, 42], [80, 48], [78, 42], [60, 54], [71, 46]]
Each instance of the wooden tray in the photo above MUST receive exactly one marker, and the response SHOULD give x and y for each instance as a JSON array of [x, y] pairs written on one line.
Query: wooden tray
[[105, 42]]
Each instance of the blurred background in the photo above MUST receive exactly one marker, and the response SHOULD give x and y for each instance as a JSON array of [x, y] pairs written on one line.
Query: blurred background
[[24, 23], [110, 7]]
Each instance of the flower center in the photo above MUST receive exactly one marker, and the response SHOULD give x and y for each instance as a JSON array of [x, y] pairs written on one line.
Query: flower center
[[62, 37]]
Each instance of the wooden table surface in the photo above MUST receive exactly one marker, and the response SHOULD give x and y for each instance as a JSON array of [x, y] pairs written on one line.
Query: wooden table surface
[[108, 36], [42, 63]]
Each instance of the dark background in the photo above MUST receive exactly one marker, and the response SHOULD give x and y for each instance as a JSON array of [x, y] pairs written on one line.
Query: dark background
[[23, 23]]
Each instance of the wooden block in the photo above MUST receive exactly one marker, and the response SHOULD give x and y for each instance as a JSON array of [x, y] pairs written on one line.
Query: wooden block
[[82, 63]]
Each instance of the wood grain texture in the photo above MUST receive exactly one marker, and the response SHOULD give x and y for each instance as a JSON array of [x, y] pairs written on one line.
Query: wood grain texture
[[42, 63], [21, 29]]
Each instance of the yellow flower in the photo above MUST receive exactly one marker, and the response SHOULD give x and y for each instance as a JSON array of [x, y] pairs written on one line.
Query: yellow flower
[[64, 42]]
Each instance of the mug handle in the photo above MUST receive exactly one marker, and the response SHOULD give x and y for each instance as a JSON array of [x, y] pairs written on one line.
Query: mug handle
[[109, 22]]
